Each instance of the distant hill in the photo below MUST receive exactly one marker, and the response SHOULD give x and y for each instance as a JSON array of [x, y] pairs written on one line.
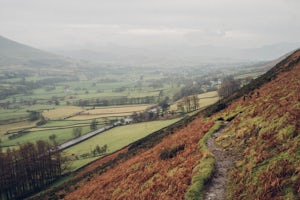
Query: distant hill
[[176, 54], [15, 54]]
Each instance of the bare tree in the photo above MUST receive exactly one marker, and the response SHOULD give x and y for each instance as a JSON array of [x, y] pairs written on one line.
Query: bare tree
[[28, 168], [195, 102]]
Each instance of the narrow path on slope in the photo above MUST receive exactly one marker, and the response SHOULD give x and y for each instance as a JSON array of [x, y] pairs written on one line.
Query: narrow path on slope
[[216, 189]]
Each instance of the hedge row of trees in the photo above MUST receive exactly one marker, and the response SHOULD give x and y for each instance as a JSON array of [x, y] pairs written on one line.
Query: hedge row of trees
[[117, 101], [145, 116], [27, 169]]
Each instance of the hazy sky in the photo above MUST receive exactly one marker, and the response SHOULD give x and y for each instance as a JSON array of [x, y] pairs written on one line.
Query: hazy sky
[[79, 23]]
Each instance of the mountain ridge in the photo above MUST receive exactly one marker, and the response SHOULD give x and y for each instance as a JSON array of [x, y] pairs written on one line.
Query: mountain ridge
[[13, 53]]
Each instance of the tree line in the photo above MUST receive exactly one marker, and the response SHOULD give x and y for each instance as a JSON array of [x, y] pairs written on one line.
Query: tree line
[[116, 101], [29, 168]]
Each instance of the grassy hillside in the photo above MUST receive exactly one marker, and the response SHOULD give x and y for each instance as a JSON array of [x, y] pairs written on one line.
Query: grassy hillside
[[266, 133]]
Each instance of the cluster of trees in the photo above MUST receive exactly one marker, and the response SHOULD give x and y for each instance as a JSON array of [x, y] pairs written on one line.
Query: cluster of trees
[[77, 131], [228, 86], [99, 150], [27, 169], [187, 91], [34, 115], [152, 113], [145, 116], [188, 104], [93, 125]]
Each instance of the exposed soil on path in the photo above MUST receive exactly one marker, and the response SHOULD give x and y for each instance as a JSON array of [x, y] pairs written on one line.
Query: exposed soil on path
[[216, 189]]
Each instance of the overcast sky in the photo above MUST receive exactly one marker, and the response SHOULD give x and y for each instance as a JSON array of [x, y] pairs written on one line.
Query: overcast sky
[[50, 24]]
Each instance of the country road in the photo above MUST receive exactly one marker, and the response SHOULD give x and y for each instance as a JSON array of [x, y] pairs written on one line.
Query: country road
[[84, 137]]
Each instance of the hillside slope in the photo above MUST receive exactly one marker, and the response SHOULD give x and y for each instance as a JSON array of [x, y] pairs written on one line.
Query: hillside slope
[[14, 53], [266, 130], [163, 171], [263, 131]]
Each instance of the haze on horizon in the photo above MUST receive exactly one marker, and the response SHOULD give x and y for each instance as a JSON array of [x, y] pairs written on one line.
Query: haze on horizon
[[171, 25]]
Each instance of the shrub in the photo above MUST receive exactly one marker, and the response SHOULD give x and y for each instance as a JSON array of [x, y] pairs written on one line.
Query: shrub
[[171, 153]]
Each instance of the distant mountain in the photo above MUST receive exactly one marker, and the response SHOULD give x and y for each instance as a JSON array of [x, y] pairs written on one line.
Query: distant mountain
[[15, 54], [176, 55], [269, 52]]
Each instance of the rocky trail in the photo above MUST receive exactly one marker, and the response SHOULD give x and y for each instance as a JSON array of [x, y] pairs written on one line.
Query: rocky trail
[[216, 189]]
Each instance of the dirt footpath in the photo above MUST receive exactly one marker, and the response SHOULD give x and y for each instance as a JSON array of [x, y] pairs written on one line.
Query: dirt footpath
[[216, 189]]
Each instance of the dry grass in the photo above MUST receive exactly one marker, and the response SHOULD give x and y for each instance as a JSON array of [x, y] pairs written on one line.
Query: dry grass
[[110, 112], [208, 95], [86, 117], [114, 110], [61, 112]]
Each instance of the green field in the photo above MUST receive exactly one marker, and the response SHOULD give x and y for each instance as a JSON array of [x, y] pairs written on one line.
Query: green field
[[116, 138], [12, 114], [58, 122], [68, 99], [63, 123], [62, 135]]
